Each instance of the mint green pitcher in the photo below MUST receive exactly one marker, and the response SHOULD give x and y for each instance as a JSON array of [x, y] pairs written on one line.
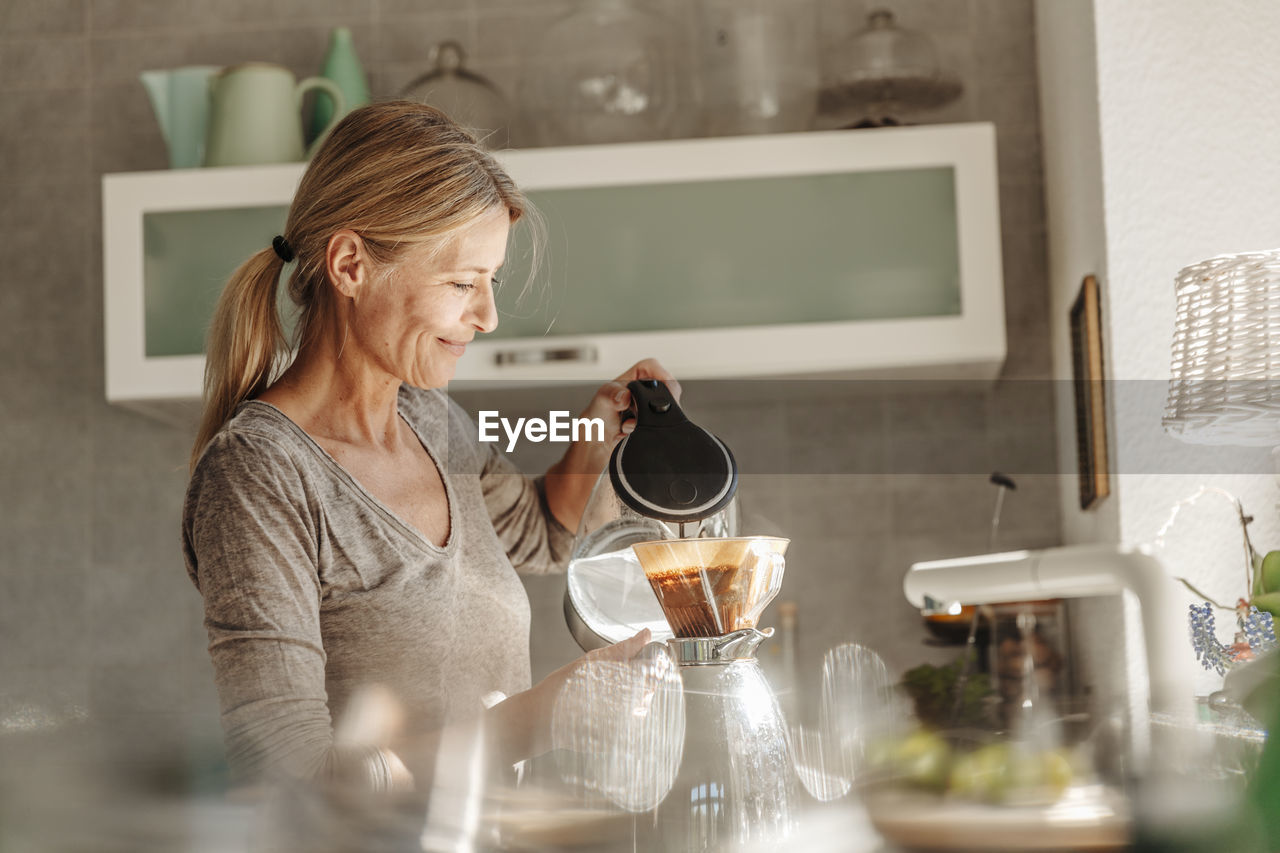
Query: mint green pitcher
[[256, 115], [180, 99]]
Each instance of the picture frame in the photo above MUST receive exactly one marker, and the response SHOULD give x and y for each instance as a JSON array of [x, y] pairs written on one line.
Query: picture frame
[[1090, 394]]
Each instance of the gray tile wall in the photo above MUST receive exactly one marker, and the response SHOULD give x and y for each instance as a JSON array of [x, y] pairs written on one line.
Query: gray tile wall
[[97, 617]]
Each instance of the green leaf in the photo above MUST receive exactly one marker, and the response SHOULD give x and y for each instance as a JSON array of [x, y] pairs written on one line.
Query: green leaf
[[1268, 601], [933, 691], [1269, 573]]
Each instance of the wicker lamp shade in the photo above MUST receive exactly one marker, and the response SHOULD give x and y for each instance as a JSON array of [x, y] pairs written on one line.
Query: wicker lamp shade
[[1225, 385]]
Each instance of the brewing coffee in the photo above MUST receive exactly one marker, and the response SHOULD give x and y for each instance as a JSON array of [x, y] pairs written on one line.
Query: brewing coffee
[[710, 587], [703, 602]]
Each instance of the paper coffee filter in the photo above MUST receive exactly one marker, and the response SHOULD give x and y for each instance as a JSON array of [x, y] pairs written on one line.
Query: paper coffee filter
[[689, 555], [710, 587]]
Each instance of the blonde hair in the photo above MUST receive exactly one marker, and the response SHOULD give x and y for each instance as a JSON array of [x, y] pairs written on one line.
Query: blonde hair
[[399, 174]]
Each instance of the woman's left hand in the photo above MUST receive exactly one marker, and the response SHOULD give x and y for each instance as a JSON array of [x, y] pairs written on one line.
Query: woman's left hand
[[547, 691], [569, 481]]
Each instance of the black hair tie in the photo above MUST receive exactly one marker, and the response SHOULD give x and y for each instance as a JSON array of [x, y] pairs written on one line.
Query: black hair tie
[[283, 251]]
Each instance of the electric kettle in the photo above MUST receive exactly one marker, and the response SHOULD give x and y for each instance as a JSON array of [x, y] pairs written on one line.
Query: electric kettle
[[668, 479]]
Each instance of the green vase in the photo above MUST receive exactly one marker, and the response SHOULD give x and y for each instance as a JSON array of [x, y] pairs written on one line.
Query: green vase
[[342, 66]]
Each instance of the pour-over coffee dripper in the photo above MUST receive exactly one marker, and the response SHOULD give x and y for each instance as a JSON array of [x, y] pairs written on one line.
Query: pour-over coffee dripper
[[713, 587], [669, 479]]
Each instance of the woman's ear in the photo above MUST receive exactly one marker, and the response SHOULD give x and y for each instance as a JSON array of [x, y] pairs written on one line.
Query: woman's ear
[[347, 262]]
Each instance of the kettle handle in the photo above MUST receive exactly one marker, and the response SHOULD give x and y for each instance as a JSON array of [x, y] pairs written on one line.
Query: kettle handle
[[653, 404], [339, 104]]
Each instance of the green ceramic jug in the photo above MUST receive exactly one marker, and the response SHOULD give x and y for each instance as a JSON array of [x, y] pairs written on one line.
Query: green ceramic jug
[[256, 114], [342, 66], [180, 99]]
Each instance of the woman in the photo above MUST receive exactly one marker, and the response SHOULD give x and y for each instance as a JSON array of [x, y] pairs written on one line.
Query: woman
[[342, 523]]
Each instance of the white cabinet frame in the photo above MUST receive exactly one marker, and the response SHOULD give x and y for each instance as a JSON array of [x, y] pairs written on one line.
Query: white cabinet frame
[[970, 344], [131, 375]]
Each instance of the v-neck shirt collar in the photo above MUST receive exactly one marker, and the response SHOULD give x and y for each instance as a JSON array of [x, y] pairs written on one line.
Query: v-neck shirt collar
[[410, 531]]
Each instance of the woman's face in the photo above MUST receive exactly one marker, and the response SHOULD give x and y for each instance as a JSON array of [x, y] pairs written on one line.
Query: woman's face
[[416, 321]]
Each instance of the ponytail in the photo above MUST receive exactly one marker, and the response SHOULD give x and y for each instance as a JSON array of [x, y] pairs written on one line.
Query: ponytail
[[246, 344]]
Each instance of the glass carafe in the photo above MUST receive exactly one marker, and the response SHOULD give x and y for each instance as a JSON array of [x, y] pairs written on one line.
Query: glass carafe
[[758, 65], [737, 784]]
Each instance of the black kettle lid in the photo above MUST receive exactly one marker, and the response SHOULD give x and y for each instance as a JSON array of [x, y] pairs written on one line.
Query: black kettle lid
[[670, 468]]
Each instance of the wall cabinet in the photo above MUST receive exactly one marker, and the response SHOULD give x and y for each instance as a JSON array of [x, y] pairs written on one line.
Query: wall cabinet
[[870, 252]]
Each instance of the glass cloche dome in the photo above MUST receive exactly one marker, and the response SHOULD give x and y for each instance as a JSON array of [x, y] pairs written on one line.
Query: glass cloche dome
[[883, 70], [468, 98]]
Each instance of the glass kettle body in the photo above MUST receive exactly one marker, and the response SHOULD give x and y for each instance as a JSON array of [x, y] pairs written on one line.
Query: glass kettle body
[[607, 597]]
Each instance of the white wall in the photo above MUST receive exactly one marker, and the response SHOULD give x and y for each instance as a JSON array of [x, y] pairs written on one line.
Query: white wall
[[1160, 141], [1074, 217]]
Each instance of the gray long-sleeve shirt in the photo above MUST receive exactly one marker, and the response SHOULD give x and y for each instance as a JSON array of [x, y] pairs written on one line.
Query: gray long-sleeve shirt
[[313, 588]]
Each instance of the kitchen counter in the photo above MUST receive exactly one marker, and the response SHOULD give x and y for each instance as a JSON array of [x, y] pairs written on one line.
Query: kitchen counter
[[1088, 816], [841, 826]]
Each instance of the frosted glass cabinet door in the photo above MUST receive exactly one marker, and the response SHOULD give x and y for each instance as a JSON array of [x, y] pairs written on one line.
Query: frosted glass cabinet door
[[742, 252], [867, 252], [170, 242], [186, 269]]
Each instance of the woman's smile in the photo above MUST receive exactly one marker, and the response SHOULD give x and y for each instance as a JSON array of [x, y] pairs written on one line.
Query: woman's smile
[[455, 347]]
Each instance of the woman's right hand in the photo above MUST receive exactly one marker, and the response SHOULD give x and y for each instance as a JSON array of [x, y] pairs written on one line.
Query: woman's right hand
[[569, 481]]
